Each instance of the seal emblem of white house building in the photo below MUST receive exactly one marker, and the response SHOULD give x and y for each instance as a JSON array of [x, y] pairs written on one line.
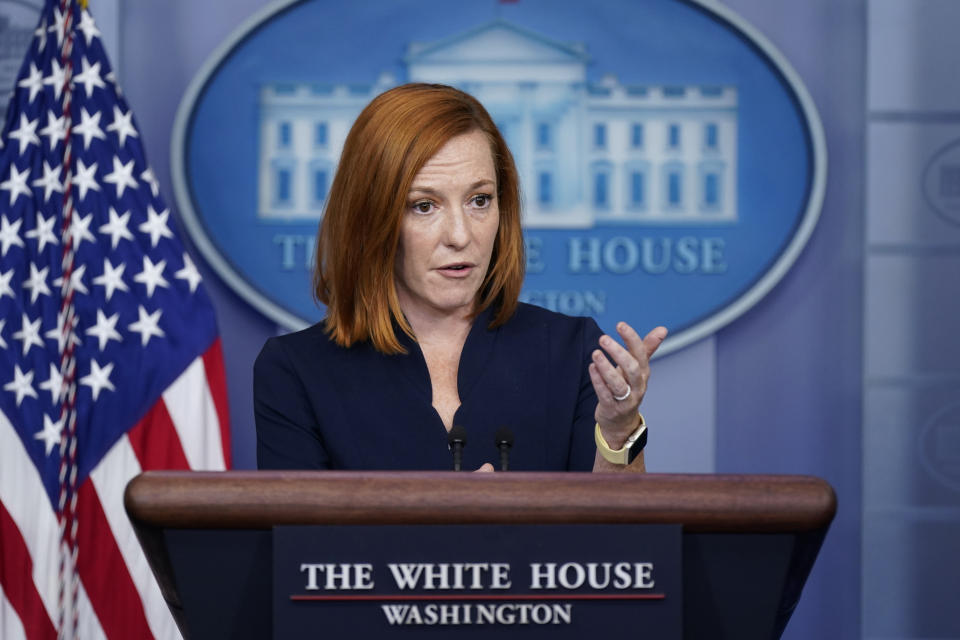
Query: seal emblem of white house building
[[662, 183]]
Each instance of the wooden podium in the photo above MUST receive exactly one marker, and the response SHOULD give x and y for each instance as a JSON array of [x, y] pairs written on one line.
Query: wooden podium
[[749, 541]]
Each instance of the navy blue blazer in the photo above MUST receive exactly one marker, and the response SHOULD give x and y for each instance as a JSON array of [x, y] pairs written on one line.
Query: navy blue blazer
[[322, 406]]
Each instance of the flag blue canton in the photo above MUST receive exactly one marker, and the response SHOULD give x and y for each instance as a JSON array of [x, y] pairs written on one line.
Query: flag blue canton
[[141, 314]]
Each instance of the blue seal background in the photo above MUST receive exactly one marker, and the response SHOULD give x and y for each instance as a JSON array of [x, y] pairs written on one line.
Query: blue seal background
[[656, 42]]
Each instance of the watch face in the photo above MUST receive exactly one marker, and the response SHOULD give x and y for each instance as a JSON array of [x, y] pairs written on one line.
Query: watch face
[[638, 445]]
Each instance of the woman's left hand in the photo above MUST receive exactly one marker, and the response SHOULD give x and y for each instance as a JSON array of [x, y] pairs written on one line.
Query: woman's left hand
[[627, 380]]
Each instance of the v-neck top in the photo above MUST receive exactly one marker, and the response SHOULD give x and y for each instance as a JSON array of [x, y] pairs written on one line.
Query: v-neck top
[[322, 406]]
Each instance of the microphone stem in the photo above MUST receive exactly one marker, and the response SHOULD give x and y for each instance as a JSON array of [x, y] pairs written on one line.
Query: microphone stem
[[457, 456], [504, 457]]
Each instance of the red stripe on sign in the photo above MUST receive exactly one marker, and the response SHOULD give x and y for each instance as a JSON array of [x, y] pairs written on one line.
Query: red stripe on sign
[[16, 577], [217, 382], [466, 597], [155, 441], [104, 573]]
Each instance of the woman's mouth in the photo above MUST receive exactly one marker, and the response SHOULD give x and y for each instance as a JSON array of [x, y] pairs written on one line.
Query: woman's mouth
[[456, 270]]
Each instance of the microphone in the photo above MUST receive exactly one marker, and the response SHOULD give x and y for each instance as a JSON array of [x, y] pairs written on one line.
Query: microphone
[[457, 440], [503, 439]]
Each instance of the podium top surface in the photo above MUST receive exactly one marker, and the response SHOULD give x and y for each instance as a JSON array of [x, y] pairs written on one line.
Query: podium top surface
[[262, 499]]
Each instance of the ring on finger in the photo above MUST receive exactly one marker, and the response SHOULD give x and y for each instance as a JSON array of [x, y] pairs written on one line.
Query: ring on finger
[[625, 395]]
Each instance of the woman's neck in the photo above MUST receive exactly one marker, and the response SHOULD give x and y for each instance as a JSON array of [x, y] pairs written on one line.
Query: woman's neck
[[440, 328], [441, 338]]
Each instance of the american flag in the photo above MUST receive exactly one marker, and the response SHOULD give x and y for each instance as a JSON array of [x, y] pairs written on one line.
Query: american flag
[[110, 361]]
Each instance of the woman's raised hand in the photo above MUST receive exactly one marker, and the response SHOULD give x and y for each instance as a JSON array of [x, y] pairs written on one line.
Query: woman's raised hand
[[621, 388]]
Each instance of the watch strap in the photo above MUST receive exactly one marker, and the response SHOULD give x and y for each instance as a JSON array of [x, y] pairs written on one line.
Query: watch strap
[[630, 449]]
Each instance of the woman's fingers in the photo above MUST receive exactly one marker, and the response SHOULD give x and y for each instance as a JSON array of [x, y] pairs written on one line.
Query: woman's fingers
[[600, 385], [633, 340], [630, 369], [614, 377], [642, 347], [626, 360], [653, 340]]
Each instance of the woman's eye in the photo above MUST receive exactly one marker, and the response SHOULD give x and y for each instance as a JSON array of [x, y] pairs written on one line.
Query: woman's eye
[[482, 200], [424, 206]]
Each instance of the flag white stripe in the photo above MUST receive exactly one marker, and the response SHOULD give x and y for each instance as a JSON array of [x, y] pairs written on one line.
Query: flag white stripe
[[110, 478], [88, 624], [26, 501], [10, 626], [194, 416]]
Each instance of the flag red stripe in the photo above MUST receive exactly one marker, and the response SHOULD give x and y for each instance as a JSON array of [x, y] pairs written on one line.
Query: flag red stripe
[[155, 441], [217, 382], [104, 573], [16, 577]]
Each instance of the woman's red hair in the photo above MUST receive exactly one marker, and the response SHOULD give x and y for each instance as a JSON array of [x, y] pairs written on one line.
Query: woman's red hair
[[391, 140]]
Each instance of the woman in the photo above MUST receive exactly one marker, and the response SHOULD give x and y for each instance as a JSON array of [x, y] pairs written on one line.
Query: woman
[[420, 264]]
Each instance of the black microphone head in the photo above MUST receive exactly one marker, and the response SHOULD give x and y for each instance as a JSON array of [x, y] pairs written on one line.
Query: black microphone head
[[503, 437], [457, 435]]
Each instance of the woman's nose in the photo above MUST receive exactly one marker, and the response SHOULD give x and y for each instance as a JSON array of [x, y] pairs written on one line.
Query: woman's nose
[[456, 229]]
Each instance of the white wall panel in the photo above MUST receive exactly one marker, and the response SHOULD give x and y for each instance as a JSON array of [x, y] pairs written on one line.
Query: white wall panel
[[911, 445], [911, 580], [905, 200], [911, 315], [909, 51], [911, 415]]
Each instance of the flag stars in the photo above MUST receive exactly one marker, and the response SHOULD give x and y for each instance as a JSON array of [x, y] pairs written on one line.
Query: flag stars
[[98, 379], [50, 180], [189, 273], [87, 26], [3, 343], [54, 384], [5, 289], [112, 278], [85, 178], [80, 229], [62, 334], [89, 127], [122, 124], [9, 234], [37, 282], [117, 227], [26, 134], [89, 77], [57, 78], [121, 176], [151, 179], [152, 275], [59, 25], [105, 329], [43, 231], [22, 384], [29, 334], [156, 225], [56, 129], [51, 432], [16, 183], [33, 82], [76, 280], [147, 326], [41, 33]]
